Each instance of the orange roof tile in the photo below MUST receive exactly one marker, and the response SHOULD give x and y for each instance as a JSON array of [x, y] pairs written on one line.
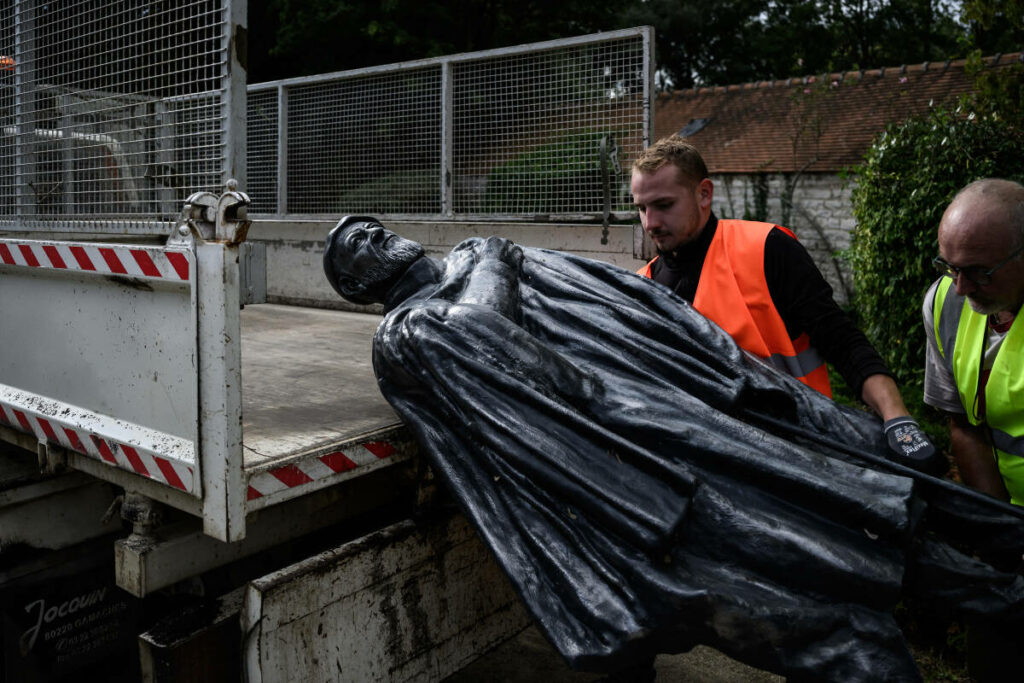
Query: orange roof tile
[[816, 123]]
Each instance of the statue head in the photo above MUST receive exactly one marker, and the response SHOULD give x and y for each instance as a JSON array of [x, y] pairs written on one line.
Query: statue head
[[363, 259]]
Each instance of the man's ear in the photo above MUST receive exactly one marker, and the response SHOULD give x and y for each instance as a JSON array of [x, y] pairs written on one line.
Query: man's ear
[[706, 192], [351, 288], [348, 287]]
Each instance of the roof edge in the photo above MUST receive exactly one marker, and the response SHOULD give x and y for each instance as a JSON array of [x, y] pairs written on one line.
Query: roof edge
[[858, 75]]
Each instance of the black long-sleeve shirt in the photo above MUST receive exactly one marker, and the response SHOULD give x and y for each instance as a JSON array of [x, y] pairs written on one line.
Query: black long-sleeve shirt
[[800, 293]]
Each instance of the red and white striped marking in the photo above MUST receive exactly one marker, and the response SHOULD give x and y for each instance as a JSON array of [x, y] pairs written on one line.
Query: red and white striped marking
[[134, 459], [154, 263], [319, 467]]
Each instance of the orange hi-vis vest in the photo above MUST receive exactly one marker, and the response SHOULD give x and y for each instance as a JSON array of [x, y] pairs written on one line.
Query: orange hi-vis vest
[[733, 293]]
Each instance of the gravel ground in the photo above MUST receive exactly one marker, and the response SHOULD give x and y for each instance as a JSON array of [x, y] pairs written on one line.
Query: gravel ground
[[528, 658]]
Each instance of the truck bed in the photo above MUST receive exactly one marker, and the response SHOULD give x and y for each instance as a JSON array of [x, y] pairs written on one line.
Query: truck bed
[[185, 399], [307, 382]]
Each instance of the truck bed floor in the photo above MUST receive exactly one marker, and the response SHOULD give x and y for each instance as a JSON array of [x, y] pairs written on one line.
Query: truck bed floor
[[307, 381]]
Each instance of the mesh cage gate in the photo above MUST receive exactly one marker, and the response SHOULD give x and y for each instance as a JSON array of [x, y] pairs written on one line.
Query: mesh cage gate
[[381, 150], [111, 112], [544, 130]]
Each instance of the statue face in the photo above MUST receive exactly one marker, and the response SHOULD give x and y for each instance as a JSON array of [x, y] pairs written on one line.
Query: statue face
[[364, 259]]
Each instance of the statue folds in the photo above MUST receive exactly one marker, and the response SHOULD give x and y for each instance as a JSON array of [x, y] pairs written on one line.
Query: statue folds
[[646, 485]]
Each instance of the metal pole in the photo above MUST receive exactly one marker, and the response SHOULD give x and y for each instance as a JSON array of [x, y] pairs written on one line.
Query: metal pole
[[67, 177], [463, 58], [648, 115], [220, 397], [282, 150], [447, 209], [233, 80], [24, 34], [167, 208]]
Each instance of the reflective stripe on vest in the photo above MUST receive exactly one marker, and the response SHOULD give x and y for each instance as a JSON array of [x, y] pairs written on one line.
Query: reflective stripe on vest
[[962, 335], [946, 314], [1013, 445], [732, 292], [803, 363]]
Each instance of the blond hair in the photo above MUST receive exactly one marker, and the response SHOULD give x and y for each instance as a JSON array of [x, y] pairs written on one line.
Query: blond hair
[[674, 150]]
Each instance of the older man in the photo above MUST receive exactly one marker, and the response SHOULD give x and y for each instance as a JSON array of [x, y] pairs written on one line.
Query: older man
[[975, 352], [975, 370], [624, 461]]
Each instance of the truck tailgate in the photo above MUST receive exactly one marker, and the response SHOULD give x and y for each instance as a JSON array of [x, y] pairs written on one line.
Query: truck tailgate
[[412, 602]]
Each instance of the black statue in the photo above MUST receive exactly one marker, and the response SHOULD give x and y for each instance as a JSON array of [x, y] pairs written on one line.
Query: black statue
[[648, 486]]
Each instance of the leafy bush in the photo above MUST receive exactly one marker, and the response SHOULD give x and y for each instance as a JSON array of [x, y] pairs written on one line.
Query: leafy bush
[[906, 181]]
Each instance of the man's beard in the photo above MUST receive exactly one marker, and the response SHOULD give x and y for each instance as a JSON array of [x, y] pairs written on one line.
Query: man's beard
[[983, 307], [392, 264]]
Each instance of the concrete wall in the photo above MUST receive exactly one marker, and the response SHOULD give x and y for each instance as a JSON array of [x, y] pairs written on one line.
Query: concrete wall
[[821, 216], [295, 250]]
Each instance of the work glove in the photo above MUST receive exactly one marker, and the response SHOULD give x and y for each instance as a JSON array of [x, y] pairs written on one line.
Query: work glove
[[912, 447]]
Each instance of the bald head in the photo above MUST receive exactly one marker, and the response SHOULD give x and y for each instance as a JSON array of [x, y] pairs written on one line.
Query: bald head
[[987, 205], [983, 227]]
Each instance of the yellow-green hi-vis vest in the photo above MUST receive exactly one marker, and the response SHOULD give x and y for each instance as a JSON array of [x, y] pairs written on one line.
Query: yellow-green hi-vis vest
[[961, 335]]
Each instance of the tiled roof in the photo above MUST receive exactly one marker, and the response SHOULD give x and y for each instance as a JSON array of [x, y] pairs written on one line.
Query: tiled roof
[[817, 123]]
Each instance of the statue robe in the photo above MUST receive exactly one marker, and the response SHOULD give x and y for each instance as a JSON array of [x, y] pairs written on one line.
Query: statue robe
[[648, 486]]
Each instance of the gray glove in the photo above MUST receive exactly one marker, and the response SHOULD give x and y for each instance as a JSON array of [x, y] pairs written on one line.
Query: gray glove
[[912, 447]]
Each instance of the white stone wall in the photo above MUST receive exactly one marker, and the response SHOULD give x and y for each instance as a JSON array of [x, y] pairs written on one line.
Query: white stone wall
[[821, 217]]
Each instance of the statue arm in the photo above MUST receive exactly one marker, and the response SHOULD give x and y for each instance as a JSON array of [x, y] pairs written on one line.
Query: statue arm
[[494, 282]]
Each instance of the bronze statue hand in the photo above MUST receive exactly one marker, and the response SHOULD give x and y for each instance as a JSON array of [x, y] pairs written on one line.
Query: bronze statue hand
[[500, 249]]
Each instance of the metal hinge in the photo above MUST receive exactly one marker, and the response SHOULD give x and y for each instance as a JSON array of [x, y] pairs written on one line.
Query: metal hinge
[[214, 219]]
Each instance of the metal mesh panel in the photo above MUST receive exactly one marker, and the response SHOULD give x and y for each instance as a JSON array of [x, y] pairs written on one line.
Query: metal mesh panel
[[365, 144], [516, 132], [530, 130], [112, 111], [261, 144]]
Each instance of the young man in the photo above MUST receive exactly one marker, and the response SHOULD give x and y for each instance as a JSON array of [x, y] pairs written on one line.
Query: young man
[[759, 284]]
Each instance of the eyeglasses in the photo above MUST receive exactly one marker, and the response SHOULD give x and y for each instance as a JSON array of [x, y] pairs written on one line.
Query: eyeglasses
[[976, 274]]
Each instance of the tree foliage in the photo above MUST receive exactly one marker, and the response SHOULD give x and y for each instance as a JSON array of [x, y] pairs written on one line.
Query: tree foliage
[[304, 37], [994, 26], [735, 41], [708, 42]]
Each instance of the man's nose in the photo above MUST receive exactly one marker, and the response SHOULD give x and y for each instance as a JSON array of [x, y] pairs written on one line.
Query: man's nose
[[963, 285], [650, 220]]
